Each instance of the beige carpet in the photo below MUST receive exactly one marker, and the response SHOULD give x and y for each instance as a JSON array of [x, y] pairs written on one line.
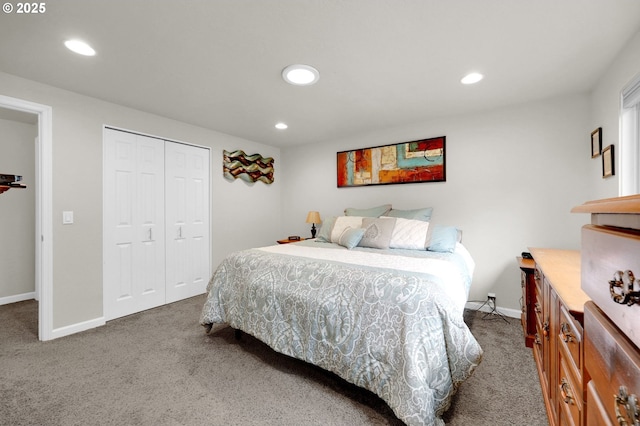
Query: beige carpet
[[159, 368]]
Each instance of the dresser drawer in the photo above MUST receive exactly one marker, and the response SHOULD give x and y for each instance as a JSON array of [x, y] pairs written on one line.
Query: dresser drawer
[[607, 255], [538, 341], [569, 396], [613, 364], [537, 306], [537, 277], [570, 339], [596, 414]]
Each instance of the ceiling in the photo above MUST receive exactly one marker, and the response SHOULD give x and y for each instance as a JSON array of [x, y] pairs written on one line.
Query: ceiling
[[383, 63]]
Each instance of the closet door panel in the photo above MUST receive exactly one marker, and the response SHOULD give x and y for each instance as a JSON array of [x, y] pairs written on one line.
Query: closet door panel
[[123, 284], [187, 174], [133, 224], [200, 259], [199, 219], [119, 180], [177, 202], [150, 219]]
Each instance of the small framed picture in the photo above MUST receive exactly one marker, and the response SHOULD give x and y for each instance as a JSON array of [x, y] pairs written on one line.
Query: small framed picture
[[608, 168], [596, 142]]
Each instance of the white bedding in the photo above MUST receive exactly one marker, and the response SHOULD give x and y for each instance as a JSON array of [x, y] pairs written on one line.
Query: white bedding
[[456, 285]]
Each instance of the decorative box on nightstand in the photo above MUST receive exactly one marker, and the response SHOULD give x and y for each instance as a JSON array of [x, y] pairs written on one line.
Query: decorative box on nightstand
[[291, 240]]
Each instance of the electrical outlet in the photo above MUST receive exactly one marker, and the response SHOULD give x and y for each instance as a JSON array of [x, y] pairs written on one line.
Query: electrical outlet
[[491, 296]]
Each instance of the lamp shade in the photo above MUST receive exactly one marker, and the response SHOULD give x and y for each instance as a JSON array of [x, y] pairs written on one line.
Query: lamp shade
[[313, 217]]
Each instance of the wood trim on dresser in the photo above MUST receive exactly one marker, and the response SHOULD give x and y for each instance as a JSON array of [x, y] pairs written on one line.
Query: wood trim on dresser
[[620, 205], [557, 347], [528, 304]]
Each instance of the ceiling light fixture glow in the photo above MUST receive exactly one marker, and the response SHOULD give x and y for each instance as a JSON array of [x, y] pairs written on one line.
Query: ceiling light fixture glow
[[281, 126], [80, 47], [300, 75], [471, 78]]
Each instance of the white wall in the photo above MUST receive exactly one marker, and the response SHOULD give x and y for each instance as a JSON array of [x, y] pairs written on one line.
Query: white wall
[[242, 215], [605, 113], [17, 209], [513, 176]]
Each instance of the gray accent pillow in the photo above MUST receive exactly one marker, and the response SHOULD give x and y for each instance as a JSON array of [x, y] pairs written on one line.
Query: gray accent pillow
[[378, 232], [370, 212], [417, 214]]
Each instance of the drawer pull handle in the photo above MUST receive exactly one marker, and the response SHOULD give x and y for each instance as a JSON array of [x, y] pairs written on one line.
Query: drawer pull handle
[[630, 404], [545, 329], [537, 340], [565, 388], [565, 331], [621, 288]]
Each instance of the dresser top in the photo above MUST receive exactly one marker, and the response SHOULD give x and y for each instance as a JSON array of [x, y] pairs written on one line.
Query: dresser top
[[562, 270], [625, 205], [620, 212]]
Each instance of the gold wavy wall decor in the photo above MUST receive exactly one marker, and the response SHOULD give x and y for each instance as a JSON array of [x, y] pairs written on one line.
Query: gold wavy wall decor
[[249, 168]]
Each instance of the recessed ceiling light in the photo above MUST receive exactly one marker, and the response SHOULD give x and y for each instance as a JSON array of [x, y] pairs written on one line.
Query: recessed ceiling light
[[300, 75], [80, 47], [281, 126], [472, 78]]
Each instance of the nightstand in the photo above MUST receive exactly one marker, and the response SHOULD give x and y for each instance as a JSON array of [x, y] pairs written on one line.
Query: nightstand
[[287, 241]]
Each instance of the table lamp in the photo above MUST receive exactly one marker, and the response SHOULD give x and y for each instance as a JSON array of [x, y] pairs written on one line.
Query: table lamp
[[313, 218]]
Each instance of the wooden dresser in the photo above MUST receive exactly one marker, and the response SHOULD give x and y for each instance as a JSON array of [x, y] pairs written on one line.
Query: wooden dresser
[[557, 349], [610, 256], [586, 306]]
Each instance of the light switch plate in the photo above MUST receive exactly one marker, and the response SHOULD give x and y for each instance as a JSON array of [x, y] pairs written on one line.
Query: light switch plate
[[67, 217]]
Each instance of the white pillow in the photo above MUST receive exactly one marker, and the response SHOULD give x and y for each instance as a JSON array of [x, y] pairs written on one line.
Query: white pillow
[[409, 234], [342, 223]]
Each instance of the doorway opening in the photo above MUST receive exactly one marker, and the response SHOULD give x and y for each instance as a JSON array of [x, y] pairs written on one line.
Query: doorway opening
[[43, 209]]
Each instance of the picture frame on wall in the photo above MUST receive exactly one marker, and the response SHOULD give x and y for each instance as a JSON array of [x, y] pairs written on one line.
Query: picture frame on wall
[[608, 167], [596, 142], [416, 161]]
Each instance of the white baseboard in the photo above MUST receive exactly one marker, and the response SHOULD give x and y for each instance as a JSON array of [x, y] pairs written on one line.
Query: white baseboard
[[507, 312], [17, 298], [77, 328]]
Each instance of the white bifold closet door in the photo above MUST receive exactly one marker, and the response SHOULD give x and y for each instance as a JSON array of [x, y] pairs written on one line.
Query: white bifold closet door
[[187, 219], [156, 222], [134, 224]]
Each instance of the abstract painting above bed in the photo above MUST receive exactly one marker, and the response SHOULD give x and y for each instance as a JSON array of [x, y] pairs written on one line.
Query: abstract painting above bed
[[390, 321]]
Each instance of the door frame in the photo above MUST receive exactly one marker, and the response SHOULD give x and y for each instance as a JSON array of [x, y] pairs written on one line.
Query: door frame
[[44, 209]]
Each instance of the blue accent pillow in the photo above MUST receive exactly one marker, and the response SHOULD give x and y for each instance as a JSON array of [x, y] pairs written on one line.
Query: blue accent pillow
[[370, 212], [417, 214], [443, 238], [324, 236], [350, 237]]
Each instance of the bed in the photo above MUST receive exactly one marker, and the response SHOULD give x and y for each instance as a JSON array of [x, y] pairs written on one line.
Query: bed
[[389, 320]]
